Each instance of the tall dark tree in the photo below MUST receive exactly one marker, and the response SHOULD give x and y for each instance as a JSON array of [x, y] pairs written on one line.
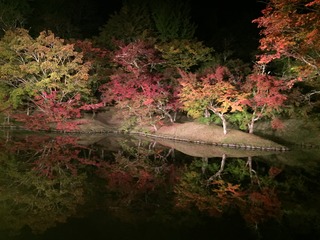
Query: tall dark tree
[[67, 19], [131, 22], [13, 14], [172, 19], [161, 19]]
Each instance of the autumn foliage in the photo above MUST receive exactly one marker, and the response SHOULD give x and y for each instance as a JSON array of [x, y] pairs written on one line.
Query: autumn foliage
[[266, 97], [46, 78], [255, 198], [49, 81], [290, 29], [138, 86], [213, 92]]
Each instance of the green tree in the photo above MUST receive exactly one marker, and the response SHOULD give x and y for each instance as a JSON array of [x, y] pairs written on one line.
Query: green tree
[[132, 22], [138, 19], [13, 14], [43, 72], [184, 54], [172, 20]]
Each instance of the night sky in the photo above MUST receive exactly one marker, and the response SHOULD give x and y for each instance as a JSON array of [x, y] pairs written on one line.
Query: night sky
[[224, 15], [228, 24]]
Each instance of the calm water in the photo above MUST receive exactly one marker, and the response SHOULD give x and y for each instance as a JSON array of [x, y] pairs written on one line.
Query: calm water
[[121, 187]]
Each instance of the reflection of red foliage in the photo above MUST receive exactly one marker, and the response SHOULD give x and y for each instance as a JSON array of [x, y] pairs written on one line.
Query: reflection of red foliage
[[262, 206], [132, 178], [222, 195], [131, 181], [173, 175], [208, 204], [53, 156], [146, 180], [256, 206], [226, 190], [274, 171], [120, 180], [61, 155]]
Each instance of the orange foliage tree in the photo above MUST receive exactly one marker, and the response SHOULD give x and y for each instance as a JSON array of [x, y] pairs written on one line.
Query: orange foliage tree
[[255, 196], [214, 92], [290, 28]]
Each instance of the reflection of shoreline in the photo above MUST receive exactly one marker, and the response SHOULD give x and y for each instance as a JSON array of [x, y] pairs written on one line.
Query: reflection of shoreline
[[112, 142], [202, 150]]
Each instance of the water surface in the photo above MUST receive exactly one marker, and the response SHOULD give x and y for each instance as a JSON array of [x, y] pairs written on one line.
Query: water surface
[[125, 187]]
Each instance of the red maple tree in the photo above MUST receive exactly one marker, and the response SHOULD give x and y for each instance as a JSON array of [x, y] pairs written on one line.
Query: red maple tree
[[266, 96], [55, 114], [138, 85]]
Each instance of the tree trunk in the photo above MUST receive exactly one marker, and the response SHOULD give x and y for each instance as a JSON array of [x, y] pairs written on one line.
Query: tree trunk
[[218, 174], [224, 125], [250, 126], [221, 116]]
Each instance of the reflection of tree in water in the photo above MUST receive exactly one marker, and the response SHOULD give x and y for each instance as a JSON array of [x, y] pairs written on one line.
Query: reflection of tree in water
[[229, 187], [44, 180], [52, 156], [137, 174], [40, 182]]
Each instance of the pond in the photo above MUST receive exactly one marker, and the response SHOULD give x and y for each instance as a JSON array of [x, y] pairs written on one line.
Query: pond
[[107, 186]]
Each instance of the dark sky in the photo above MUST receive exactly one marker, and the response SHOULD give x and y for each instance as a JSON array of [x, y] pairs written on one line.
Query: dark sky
[[228, 25], [224, 14]]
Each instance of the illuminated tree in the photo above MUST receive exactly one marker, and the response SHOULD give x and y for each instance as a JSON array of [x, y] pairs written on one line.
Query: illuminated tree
[[266, 96], [213, 92], [13, 14], [138, 86], [290, 29], [44, 72], [184, 54]]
